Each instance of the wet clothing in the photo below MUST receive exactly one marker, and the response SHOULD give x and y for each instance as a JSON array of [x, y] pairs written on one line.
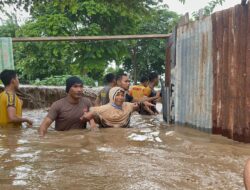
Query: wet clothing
[[138, 92], [67, 115], [103, 95], [111, 115], [149, 91], [9, 99]]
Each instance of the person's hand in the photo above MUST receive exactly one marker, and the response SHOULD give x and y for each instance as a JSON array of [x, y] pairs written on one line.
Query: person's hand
[[41, 132], [29, 122], [146, 103], [135, 106], [85, 117], [151, 112], [93, 127]]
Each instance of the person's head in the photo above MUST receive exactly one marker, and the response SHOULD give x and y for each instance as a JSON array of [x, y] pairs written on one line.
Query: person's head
[[144, 81], [122, 81], [9, 78], [117, 95], [153, 78], [109, 79], [74, 87]]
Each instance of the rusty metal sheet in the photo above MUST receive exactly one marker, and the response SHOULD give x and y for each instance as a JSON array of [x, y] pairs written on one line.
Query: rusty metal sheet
[[193, 74], [231, 30], [217, 40], [241, 20], [166, 89], [247, 76], [212, 73], [232, 77], [223, 122]]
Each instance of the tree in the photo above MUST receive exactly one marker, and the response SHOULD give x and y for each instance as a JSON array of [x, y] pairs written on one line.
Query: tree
[[9, 28], [40, 60], [209, 8], [89, 17], [149, 55]]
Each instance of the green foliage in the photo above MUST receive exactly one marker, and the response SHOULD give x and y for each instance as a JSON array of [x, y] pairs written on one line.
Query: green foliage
[[209, 8], [90, 17], [39, 60], [61, 81], [80, 18], [149, 55], [9, 28], [182, 1]]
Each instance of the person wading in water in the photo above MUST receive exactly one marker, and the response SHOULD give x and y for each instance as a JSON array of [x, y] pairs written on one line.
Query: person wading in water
[[67, 111], [10, 104], [114, 114], [103, 95]]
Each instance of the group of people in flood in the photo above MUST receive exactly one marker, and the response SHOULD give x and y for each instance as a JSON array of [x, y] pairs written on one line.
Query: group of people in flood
[[112, 107]]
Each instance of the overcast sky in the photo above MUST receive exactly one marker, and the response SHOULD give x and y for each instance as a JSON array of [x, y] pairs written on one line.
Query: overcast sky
[[194, 5], [190, 6]]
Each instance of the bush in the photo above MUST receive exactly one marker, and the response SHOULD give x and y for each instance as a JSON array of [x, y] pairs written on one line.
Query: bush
[[61, 81]]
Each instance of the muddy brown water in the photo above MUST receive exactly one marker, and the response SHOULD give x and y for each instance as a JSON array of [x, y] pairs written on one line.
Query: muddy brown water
[[150, 155]]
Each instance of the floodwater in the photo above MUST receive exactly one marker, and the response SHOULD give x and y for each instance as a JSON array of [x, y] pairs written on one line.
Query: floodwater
[[148, 156]]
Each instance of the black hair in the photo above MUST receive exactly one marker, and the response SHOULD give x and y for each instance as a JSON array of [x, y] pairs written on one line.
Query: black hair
[[152, 76], [144, 79], [110, 77], [120, 75], [72, 81], [7, 75]]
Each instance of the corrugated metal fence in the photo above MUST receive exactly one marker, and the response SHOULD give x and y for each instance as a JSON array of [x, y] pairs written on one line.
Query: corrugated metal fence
[[193, 72], [212, 73], [231, 59]]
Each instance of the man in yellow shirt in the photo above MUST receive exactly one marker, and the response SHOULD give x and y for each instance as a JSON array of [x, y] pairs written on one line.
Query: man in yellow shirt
[[139, 91], [142, 92], [153, 95], [10, 104]]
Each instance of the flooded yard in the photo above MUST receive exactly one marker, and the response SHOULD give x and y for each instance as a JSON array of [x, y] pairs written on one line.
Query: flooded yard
[[149, 155]]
